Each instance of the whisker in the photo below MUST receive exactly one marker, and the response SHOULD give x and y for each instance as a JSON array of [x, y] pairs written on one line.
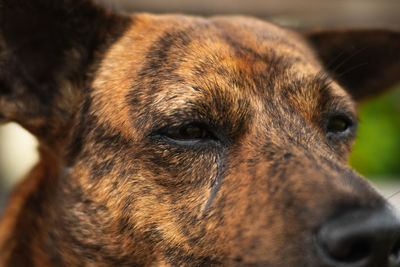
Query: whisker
[[337, 67], [332, 62], [351, 69], [392, 195]]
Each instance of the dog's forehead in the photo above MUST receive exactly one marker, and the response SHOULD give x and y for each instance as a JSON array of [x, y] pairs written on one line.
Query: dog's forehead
[[178, 59], [229, 41]]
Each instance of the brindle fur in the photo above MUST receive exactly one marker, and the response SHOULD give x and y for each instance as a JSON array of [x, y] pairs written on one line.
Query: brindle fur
[[98, 88]]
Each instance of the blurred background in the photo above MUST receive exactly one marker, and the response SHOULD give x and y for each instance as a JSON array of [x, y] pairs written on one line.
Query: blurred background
[[377, 150]]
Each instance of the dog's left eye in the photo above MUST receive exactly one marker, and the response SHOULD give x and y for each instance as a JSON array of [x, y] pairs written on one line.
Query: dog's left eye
[[339, 124]]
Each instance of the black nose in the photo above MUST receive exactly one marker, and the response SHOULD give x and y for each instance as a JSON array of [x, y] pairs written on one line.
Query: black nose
[[362, 238]]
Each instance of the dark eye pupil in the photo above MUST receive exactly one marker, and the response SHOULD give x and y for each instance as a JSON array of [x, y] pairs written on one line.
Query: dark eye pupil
[[192, 132], [189, 132], [338, 124]]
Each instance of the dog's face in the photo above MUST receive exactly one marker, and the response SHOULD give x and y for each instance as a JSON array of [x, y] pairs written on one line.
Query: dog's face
[[205, 141]]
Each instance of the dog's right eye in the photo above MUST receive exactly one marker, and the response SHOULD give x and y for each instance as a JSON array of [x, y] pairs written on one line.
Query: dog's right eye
[[188, 133]]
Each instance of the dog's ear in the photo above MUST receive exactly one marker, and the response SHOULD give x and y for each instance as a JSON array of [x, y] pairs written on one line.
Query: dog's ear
[[47, 48], [365, 62]]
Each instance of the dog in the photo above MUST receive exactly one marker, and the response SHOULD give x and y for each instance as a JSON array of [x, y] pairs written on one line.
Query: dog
[[172, 140]]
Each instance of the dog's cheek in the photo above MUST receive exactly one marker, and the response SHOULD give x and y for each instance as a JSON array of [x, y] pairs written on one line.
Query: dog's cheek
[[176, 167], [166, 176], [168, 170]]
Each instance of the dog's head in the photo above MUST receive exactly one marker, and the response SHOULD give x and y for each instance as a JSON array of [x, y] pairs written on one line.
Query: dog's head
[[183, 140]]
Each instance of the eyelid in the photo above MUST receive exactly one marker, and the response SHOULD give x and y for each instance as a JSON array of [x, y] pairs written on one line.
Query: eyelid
[[341, 111], [177, 117]]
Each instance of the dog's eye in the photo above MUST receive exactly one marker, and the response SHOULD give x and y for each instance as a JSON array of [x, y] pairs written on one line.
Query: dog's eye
[[189, 132], [339, 124]]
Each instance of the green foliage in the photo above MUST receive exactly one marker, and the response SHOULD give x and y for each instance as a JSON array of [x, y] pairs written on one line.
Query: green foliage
[[377, 149]]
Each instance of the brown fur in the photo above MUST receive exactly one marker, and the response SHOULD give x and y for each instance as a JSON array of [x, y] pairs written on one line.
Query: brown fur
[[101, 90]]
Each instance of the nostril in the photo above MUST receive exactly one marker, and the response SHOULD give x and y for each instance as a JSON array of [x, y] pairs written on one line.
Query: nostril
[[395, 254], [342, 246], [354, 251], [360, 238]]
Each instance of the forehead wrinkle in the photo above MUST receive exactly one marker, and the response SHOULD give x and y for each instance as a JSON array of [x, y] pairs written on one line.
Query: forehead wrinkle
[[209, 103], [218, 65], [218, 48]]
